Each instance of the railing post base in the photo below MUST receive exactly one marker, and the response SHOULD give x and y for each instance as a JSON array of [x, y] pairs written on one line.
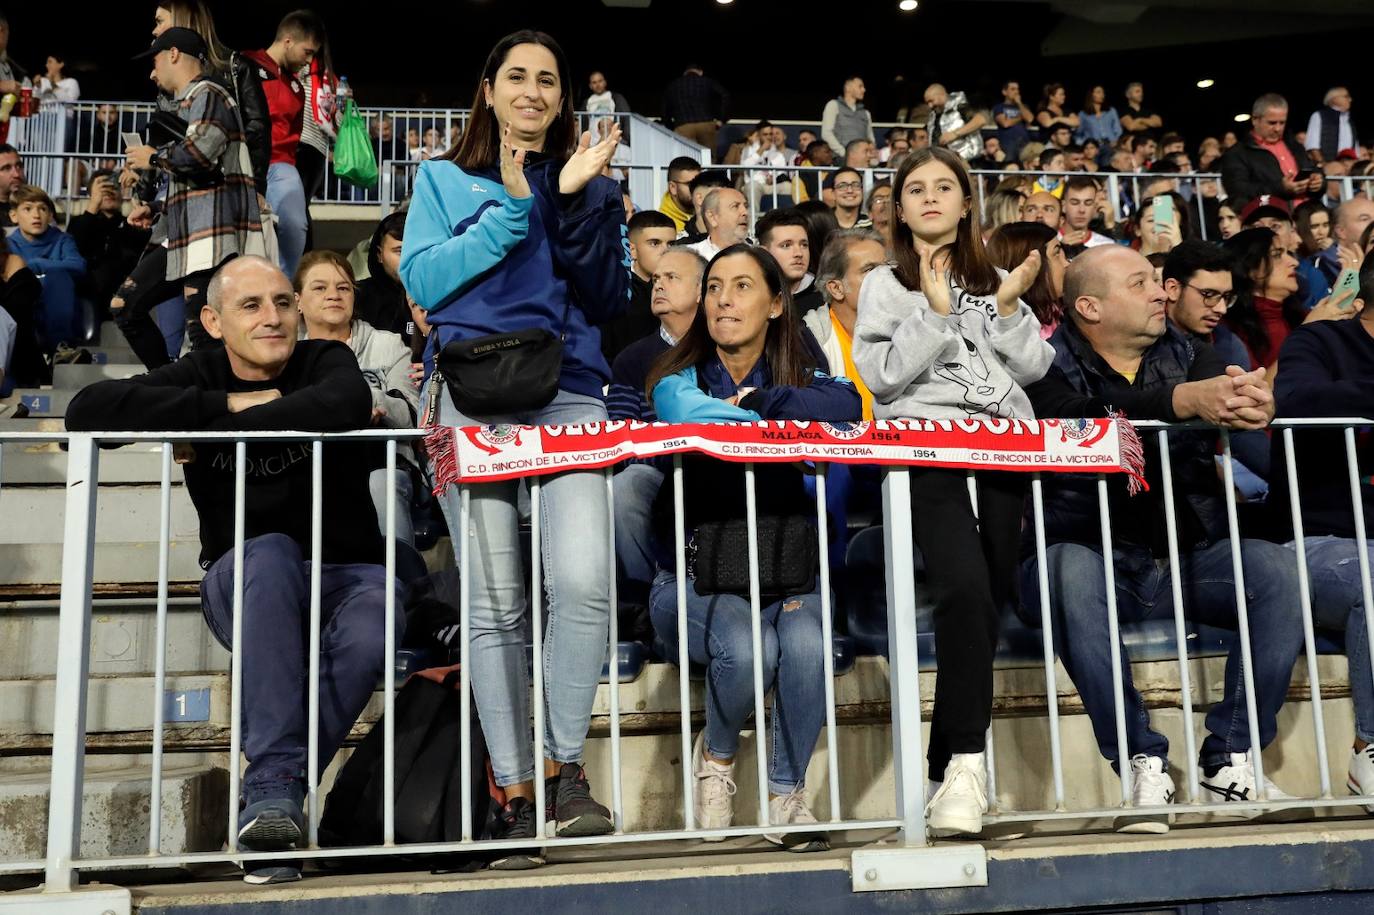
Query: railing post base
[[883, 868], [85, 900]]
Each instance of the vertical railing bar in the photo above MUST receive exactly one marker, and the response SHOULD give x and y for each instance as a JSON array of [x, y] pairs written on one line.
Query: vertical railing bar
[[312, 775], [1114, 634], [73, 665], [389, 709], [465, 652], [1180, 626], [613, 645], [160, 650], [903, 663], [236, 641], [832, 734], [1309, 636], [756, 635], [1242, 617], [536, 611], [684, 686], [1047, 641], [1361, 540]]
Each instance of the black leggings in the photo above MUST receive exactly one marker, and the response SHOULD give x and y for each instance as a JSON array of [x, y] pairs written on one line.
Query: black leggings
[[971, 573], [146, 287]]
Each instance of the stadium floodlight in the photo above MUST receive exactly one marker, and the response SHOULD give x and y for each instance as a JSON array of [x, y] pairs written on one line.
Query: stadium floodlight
[[1206, 83], [907, 6], [1243, 116]]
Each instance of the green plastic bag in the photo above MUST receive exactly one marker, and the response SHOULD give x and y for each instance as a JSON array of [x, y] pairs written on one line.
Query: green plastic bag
[[354, 160]]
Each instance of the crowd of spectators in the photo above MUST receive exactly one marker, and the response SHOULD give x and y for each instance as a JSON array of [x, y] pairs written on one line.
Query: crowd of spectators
[[987, 273]]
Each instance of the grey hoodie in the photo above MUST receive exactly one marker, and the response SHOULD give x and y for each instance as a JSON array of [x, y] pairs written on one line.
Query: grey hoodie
[[385, 361], [966, 364]]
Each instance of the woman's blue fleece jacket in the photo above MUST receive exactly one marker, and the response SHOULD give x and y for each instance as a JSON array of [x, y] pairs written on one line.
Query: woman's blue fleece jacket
[[482, 262]]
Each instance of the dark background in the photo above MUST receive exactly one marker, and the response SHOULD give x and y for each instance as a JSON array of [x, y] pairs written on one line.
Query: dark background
[[778, 59]]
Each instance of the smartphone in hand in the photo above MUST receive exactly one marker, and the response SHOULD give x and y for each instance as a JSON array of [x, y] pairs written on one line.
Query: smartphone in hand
[[1163, 210], [1347, 282]]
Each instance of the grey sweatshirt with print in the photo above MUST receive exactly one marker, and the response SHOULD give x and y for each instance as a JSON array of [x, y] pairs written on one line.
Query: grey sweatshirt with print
[[968, 364]]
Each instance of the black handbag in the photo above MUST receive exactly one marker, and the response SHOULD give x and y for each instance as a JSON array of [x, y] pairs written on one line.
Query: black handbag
[[718, 557], [502, 373]]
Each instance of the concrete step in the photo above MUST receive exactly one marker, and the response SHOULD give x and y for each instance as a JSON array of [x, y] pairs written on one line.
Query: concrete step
[[123, 641], [76, 377], [112, 355], [115, 811], [45, 401], [128, 523], [45, 463]]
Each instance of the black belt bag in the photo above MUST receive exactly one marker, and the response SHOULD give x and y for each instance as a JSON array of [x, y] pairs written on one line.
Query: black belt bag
[[502, 373], [787, 552]]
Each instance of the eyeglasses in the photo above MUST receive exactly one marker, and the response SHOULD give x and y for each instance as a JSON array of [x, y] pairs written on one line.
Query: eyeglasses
[[1210, 297], [848, 185]]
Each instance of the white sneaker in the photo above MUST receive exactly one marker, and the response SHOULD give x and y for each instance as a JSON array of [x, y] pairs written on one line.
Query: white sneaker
[[791, 809], [1151, 786], [958, 805], [714, 792], [1360, 780], [1235, 783]]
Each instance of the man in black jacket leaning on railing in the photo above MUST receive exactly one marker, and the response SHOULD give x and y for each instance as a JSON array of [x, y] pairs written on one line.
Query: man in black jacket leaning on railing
[[1327, 370], [1115, 351], [265, 379]]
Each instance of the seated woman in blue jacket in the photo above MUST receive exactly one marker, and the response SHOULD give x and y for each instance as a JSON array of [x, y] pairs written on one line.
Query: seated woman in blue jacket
[[516, 230], [744, 360]]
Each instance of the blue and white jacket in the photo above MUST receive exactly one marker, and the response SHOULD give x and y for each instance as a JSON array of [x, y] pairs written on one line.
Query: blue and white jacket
[[482, 262]]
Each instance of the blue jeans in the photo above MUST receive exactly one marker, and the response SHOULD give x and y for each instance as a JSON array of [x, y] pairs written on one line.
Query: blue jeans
[[574, 522], [405, 495], [286, 196], [61, 309], [276, 645], [1078, 602], [719, 636], [635, 488], [1337, 603]]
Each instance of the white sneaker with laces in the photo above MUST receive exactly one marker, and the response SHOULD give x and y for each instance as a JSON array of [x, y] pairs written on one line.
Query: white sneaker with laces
[[1151, 786], [713, 795], [789, 810], [958, 805], [1360, 779], [1235, 783]]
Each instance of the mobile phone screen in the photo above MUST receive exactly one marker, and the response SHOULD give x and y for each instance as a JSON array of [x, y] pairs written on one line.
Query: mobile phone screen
[[131, 140]]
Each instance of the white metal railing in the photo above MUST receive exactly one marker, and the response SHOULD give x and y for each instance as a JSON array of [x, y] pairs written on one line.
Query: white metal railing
[[63, 862]]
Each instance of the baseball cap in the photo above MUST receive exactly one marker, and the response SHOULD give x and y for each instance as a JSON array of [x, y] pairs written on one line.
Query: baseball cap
[[1265, 205], [187, 41]]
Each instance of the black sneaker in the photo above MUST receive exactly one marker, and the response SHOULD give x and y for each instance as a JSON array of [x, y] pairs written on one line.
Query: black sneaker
[[569, 802], [516, 822], [271, 818]]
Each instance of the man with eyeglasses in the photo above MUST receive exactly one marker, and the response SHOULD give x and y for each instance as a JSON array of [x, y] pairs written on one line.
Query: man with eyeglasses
[[1198, 282], [848, 186]]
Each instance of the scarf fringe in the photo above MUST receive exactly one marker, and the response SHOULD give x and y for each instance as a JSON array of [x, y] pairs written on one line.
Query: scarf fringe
[[443, 452], [1132, 454]]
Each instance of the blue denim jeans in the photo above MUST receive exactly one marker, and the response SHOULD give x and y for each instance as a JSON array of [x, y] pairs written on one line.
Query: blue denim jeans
[[276, 645], [576, 555], [405, 497], [1078, 602], [1333, 567], [286, 196], [719, 636], [635, 488]]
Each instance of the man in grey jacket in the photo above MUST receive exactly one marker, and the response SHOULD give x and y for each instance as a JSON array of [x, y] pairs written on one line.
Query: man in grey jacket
[[845, 119]]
